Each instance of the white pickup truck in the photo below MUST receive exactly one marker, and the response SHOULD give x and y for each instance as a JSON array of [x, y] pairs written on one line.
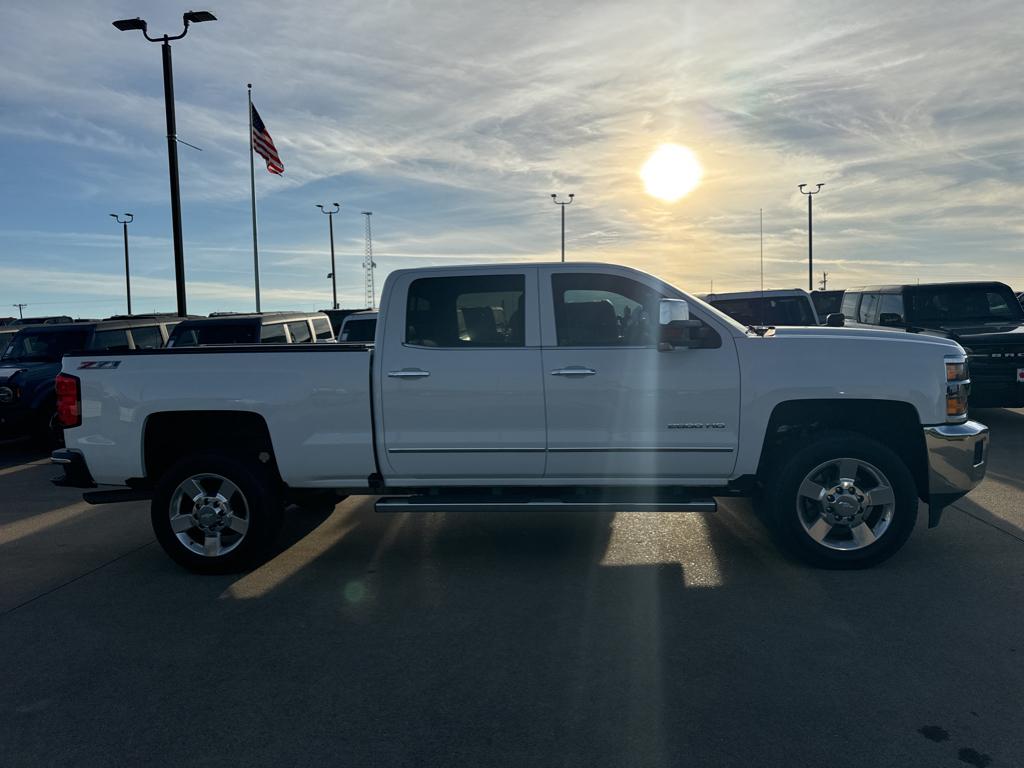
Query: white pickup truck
[[534, 387]]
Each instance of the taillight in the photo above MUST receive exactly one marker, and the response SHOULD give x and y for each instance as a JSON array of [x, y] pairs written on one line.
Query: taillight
[[69, 400]]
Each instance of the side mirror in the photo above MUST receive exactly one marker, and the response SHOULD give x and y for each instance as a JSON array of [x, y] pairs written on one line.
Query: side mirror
[[835, 320], [891, 319], [674, 324]]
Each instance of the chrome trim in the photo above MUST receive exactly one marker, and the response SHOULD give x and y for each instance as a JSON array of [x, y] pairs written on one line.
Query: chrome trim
[[952, 470], [659, 449], [466, 450], [576, 370], [408, 374]]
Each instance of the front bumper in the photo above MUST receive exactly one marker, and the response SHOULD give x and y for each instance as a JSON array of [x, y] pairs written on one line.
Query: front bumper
[[957, 460]]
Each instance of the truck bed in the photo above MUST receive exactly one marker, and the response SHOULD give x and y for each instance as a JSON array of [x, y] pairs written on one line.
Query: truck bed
[[315, 399]]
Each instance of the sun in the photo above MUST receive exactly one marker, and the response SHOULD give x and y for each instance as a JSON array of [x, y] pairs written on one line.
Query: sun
[[671, 172]]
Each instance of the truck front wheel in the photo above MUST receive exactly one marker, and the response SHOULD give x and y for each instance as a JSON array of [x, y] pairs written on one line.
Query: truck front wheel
[[216, 514], [842, 501]]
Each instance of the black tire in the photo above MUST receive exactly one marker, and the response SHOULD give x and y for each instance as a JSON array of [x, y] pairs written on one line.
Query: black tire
[[260, 498], [784, 505]]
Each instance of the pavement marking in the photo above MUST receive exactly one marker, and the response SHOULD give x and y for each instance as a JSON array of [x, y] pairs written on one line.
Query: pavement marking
[[27, 465], [19, 529]]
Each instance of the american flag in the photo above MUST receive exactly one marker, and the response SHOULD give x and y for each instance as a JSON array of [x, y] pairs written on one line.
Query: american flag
[[264, 144]]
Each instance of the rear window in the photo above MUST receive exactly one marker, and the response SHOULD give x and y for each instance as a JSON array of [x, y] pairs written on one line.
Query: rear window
[[322, 326], [771, 310], [273, 334], [44, 345], [110, 341], [220, 333], [849, 308], [471, 311], [147, 337], [299, 331]]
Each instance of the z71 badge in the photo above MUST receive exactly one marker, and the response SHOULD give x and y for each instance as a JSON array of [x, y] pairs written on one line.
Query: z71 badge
[[99, 364]]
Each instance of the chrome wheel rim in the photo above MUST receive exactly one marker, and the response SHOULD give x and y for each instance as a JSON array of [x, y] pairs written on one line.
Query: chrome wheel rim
[[209, 514], [845, 504]]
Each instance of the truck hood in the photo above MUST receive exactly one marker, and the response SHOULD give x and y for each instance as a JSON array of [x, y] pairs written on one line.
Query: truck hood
[[987, 333], [878, 334], [28, 371]]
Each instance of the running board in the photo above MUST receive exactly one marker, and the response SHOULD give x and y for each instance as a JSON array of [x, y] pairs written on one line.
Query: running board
[[441, 504]]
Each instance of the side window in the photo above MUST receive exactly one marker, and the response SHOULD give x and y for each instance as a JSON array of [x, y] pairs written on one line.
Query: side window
[[273, 334], [593, 310], [147, 337], [472, 311], [299, 331], [109, 341], [891, 304], [322, 326], [849, 306], [868, 309]]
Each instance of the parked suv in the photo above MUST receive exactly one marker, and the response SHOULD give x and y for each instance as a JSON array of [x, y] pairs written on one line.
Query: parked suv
[[32, 360], [263, 328], [359, 327], [985, 317], [775, 307], [827, 303]]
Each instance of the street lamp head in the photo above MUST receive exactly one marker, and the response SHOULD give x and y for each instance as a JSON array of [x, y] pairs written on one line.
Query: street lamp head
[[114, 215], [801, 187], [571, 195], [318, 205], [127, 25], [196, 17]]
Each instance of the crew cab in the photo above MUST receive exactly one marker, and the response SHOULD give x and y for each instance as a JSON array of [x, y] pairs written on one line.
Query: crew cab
[[532, 387], [985, 317], [32, 358]]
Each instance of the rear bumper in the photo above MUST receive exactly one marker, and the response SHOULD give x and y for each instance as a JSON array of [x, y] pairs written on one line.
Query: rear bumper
[[957, 460], [76, 472]]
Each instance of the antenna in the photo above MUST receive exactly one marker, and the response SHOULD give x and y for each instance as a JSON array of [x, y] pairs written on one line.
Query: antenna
[[369, 290]]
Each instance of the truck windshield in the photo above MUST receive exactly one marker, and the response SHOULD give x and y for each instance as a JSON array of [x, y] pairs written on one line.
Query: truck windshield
[[771, 310], [44, 346], [958, 303]]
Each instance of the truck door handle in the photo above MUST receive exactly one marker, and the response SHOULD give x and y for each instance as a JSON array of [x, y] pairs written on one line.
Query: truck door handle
[[573, 370], [408, 373]]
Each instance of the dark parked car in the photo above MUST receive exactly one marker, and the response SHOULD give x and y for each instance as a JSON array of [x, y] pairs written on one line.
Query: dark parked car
[[985, 317], [827, 303], [32, 360], [338, 317], [359, 327], [264, 328]]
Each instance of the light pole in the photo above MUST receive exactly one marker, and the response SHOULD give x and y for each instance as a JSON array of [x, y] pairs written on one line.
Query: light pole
[[554, 199], [333, 275], [126, 25], [810, 235], [127, 278]]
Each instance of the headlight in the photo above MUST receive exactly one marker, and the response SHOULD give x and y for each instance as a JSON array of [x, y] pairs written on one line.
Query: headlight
[[958, 387], [6, 395]]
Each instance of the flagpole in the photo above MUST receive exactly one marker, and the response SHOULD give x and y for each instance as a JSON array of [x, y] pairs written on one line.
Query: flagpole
[[252, 188]]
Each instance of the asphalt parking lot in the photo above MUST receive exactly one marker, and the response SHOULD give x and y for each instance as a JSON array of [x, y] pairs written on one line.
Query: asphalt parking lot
[[455, 639]]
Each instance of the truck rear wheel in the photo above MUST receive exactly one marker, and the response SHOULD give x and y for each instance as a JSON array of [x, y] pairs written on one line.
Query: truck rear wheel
[[842, 501], [216, 514]]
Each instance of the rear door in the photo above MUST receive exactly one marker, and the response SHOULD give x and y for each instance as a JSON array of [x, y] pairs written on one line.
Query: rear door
[[460, 377], [618, 409]]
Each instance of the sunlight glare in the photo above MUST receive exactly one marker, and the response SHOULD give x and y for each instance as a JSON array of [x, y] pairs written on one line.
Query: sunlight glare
[[671, 172]]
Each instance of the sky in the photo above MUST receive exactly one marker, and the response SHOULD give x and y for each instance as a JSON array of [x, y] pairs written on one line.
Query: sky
[[455, 121]]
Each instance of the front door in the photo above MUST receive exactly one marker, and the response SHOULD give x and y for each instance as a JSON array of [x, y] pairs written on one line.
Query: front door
[[460, 378], [618, 409]]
